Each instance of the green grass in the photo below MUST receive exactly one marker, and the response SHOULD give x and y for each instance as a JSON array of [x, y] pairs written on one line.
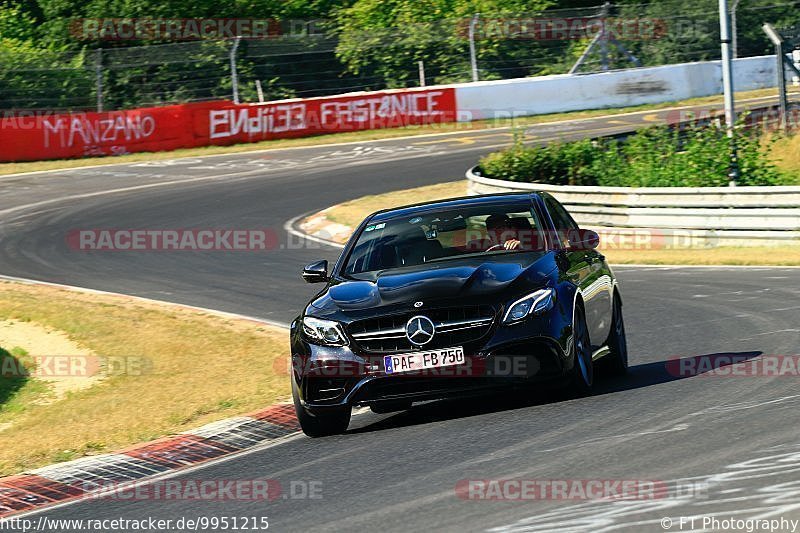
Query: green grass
[[722, 255], [784, 152], [17, 392], [204, 368]]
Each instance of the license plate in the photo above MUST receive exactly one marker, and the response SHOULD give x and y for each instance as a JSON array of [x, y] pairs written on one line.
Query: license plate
[[409, 362]]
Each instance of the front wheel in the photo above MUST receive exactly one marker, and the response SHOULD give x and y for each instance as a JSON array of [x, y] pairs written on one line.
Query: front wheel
[[582, 372], [616, 362], [331, 421]]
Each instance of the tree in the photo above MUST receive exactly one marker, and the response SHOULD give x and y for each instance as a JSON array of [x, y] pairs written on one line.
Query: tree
[[388, 37]]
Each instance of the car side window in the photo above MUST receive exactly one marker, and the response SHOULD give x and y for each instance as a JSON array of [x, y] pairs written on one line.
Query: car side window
[[564, 223]]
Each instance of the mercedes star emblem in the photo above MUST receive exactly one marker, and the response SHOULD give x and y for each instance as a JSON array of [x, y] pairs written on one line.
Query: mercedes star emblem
[[420, 330]]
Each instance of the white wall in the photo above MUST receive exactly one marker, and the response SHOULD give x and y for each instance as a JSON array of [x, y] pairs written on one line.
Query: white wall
[[621, 88]]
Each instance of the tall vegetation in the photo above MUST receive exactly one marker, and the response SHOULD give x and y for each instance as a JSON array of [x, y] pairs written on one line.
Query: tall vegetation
[[656, 157]]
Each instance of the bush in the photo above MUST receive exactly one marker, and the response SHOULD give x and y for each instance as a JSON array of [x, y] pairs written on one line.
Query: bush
[[697, 156], [561, 164]]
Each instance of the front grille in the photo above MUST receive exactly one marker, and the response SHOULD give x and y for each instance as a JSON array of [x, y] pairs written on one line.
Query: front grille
[[454, 327]]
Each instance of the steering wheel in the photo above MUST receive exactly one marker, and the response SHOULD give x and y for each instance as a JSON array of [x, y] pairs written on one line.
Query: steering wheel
[[494, 247]]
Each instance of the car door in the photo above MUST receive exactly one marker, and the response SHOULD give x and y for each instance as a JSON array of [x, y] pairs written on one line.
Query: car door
[[588, 270]]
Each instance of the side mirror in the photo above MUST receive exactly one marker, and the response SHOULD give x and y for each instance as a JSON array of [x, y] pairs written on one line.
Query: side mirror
[[316, 272], [584, 239]]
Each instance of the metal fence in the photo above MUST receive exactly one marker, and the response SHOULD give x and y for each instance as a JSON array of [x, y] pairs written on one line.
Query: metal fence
[[316, 60]]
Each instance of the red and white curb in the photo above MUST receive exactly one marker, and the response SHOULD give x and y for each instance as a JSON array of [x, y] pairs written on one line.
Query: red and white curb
[[85, 477]]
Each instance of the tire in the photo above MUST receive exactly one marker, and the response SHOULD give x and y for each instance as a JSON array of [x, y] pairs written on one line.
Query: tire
[[331, 421], [616, 362], [581, 376]]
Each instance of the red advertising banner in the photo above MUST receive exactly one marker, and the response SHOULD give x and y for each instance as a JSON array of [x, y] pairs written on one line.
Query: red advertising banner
[[30, 137]]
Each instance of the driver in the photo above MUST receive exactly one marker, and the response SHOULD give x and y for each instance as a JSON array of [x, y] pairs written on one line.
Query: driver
[[501, 233]]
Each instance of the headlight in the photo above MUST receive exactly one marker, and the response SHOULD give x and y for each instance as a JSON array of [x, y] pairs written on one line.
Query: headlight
[[325, 332], [532, 304]]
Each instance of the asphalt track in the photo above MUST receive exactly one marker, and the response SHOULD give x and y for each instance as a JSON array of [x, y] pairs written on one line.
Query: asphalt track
[[728, 445]]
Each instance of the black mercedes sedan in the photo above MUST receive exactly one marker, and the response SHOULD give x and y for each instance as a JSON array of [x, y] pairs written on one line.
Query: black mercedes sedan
[[455, 297]]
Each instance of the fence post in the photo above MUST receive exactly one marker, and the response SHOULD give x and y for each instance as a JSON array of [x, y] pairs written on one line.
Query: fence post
[[734, 30], [98, 75], [421, 66], [473, 58], [260, 92], [777, 40], [234, 73], [602, 40], [586, 53], [727, 86], [784, 99], [605, 10], [796, 61]]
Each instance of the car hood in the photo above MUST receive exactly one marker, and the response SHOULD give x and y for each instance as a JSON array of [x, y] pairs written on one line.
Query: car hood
[[469, 280]]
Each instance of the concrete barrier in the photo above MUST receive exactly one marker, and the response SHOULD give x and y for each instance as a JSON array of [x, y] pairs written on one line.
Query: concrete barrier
[[620, 88], [721, 216]]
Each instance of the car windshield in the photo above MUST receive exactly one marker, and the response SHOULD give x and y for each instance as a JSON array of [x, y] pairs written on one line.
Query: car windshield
[[416, 239]]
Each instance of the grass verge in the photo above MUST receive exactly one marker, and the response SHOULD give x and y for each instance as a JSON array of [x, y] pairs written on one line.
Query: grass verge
[[722, 255], [353, 212], [198, 368], [784, 153], [360, 136]]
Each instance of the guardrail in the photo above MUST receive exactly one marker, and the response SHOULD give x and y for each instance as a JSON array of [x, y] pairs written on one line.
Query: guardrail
[[722, 216]]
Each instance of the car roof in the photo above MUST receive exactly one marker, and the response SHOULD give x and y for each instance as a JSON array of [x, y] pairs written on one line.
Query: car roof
[[515, 199]]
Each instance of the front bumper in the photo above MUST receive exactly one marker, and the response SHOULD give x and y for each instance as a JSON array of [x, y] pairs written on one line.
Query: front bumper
[[333, 377]]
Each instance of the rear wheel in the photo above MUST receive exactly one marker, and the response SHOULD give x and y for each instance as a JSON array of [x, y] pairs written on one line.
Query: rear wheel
[[331, 421], [616, 362], [582, 373]]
